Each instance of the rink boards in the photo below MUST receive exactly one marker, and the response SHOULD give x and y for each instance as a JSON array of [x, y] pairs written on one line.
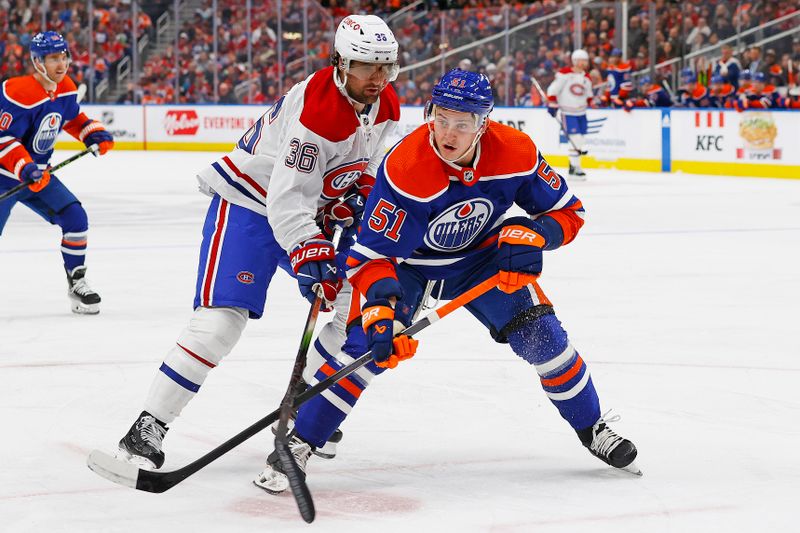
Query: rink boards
[[702, 141]]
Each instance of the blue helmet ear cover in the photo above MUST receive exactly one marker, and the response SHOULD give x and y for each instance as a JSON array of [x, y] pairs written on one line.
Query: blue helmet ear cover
[[463, 90]]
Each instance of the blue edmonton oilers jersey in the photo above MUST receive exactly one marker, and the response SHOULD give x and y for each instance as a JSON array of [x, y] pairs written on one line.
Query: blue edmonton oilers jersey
[[34, 118], [420, 211]]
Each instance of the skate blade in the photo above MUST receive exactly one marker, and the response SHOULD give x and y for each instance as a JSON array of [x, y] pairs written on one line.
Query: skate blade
[[263, 484], [135, 460], [85, 309], [326, 452], [632, 469]]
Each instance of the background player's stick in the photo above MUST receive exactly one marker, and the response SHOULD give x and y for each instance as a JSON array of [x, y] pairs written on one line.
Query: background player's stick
[[305, 503], [560, 124], [131, 476], [15, 189]]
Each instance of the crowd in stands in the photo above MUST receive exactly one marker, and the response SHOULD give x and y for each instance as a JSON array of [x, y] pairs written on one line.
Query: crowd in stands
[[195, 63], [110, 31]]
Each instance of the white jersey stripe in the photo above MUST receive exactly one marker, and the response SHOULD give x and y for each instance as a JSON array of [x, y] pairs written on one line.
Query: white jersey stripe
[[571, 393]]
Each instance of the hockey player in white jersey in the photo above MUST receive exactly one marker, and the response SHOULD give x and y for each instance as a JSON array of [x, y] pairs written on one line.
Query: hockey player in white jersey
[[571, 92], [304, 165]]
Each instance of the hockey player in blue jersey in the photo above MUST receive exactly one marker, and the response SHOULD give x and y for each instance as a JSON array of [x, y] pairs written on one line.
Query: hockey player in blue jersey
[[437, 214], [33, 110]]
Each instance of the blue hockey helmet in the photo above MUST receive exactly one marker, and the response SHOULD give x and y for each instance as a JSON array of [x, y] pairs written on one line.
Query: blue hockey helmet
[[615, 52], [462, 90], [745, 75], [760, 77], [716, 78], [688, 75], [645, 81], [48, 42]]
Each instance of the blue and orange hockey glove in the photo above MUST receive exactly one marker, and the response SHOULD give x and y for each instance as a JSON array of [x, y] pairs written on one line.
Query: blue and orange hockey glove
[[519, 255], [100, 137], [381, 318], [314, 264], [31, 172]]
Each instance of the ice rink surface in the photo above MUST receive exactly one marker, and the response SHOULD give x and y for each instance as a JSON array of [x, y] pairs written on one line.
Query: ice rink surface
[[681, 293]]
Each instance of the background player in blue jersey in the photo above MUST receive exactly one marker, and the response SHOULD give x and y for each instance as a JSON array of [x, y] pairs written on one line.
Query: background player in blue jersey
[[437, 214], [33, 110]]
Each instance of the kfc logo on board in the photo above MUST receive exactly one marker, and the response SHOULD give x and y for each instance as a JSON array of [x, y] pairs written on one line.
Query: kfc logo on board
[[181, 122]]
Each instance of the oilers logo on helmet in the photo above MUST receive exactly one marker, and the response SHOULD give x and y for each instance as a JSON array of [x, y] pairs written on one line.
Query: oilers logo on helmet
[[457, 226], [45, 138]]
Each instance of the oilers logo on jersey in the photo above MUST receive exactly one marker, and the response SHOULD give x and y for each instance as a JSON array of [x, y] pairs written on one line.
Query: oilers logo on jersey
[[45, 137], [457, 226]]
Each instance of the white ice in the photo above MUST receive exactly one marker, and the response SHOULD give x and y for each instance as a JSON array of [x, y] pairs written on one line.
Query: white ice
[[681, 293]]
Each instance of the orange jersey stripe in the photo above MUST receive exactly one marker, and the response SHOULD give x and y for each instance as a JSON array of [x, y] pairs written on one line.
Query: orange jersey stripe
[[569, 221], [346, 384], [371, 272], [563, 378]]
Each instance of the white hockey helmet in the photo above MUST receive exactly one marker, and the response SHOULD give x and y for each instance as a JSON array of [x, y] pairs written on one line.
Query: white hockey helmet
[[366, 38], [578, 55]]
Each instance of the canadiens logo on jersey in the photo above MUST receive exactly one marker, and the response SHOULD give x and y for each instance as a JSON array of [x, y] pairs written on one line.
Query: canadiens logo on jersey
[[45, 138], [338, 180], [246, 277], [457, 226], [577, 89]]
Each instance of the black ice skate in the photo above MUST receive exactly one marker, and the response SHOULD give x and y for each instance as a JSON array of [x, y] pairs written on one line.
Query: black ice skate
[[577, 173], [273, 479], [328, 451], [142, 445], [609, 447], [83, 299]]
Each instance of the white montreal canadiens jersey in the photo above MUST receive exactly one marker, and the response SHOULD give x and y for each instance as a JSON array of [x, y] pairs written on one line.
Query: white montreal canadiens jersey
[[306, 151], [572, 90]]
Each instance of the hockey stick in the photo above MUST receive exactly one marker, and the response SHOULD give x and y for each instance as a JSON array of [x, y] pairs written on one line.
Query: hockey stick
[[305, 503], [130, 475], [15, 189], [560, 124]]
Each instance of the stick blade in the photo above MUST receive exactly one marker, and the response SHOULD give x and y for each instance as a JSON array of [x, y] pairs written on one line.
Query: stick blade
[[297, 482], [113, 469]]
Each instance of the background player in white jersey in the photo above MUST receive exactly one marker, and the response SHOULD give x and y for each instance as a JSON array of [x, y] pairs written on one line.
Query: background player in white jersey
[[571, 92], [309, 160]]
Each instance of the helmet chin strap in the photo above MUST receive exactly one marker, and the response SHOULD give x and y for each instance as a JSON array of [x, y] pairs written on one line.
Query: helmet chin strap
[[341, 84], [43, 72], [472, 145]]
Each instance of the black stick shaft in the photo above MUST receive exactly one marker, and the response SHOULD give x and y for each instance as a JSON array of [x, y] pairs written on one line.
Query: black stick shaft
[[15, 189]]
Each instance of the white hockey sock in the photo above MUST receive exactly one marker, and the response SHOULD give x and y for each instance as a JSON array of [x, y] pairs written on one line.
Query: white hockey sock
[[211, 335], [575, 156], [331, 336]]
